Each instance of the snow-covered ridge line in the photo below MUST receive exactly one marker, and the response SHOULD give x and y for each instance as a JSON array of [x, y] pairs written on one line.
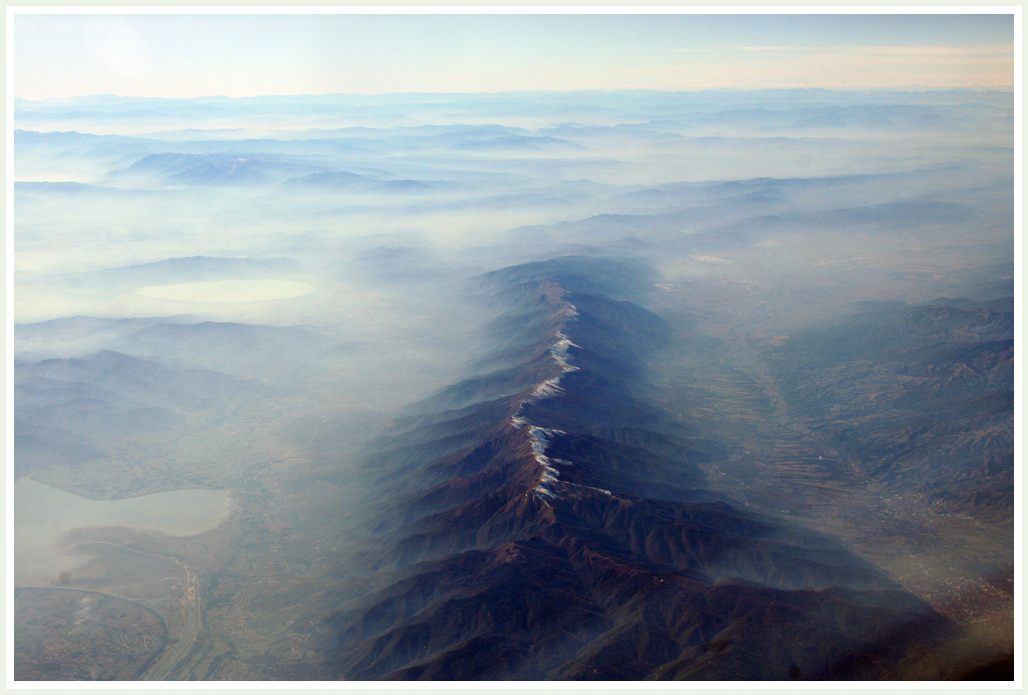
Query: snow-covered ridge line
[[549, 484], [559, 352]]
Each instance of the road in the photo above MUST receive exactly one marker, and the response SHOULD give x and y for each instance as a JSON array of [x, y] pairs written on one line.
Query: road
[[191, 626], [191, 621]]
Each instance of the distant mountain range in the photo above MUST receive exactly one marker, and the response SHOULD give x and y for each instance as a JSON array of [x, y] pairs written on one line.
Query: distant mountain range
[[62, 405], [79, 380], [250, 350], [348, 181], [216, 169]]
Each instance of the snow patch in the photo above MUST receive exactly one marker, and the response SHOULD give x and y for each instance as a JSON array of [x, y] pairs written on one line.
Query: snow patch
[[549, 478], [548, 388], [560, 352]]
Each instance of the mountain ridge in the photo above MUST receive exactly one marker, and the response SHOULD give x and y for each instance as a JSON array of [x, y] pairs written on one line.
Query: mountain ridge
[[513, 541]]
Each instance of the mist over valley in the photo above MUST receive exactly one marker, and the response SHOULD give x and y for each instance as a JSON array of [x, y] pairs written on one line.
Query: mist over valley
[[527, 385]]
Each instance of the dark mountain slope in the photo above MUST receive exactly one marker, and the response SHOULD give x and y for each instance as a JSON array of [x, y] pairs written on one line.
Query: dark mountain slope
[[923, 396], [558, 528]]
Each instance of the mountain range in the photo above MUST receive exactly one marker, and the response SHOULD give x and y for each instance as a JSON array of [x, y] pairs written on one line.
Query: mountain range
[[546, 520]]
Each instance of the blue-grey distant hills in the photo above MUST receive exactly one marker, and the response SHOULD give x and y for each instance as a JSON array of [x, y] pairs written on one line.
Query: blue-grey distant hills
[[689, 222], [64, 408], [520, 142], [251, 350], [80, 381], [905, 108], [216, 169], [349, 181]]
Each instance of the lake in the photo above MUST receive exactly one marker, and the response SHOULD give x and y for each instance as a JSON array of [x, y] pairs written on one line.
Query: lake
[[42, 513], [228, 291]]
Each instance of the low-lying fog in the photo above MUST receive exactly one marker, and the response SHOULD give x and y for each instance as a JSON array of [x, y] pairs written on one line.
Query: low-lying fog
[[383, 222], [364, 220], [241, 301]]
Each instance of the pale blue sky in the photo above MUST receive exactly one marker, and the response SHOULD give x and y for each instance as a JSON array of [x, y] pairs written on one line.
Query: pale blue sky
[[246, 55]]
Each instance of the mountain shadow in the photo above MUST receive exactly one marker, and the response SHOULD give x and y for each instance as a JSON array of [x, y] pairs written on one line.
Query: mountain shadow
[[545, 520]]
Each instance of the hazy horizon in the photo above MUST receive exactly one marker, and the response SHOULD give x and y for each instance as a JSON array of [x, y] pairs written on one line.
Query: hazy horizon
[[623, 360], [326, 53]]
